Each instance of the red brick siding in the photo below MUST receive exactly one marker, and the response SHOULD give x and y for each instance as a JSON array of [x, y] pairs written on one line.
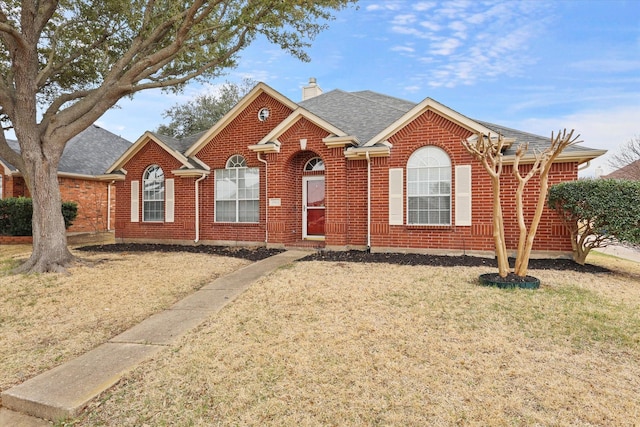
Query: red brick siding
[[91, 197], [93, 203], [346, 189], [183, 225]]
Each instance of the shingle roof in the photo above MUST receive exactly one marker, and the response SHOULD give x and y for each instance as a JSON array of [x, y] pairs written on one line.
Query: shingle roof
[[362, 114], [537, 143], [180, 145], [91, 152]]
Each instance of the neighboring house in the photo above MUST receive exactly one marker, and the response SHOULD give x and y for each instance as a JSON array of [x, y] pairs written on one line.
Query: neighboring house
[[81, 177], [337, 170], [630, 171]]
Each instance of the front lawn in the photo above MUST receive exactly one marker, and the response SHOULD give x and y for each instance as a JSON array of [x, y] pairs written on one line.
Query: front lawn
[[350, 344]]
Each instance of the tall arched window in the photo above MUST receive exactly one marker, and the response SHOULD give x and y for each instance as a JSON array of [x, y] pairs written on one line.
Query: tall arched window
[[153, 194], [237, 192], [429, 187]]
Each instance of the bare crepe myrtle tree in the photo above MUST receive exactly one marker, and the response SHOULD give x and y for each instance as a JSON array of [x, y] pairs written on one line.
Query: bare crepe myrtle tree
[[489, 151]]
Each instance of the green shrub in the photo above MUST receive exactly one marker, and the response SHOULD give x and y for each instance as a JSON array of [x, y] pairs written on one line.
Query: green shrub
[[598, 212], [16, 214]]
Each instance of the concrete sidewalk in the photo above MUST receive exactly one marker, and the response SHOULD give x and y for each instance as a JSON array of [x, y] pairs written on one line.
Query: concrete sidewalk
[[626, 252], [67, 389]]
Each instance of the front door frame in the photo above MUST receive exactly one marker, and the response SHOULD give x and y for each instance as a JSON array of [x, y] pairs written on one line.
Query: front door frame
[[305, 180]]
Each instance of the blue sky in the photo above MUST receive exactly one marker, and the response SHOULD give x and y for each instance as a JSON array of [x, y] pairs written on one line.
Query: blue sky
[[537, 66]]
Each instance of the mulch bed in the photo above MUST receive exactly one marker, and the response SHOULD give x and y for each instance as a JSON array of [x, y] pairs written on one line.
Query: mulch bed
[[249, 253], [259, 253]]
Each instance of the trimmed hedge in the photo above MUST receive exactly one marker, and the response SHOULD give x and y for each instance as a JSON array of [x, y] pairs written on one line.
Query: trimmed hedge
[[598, 212], [16, 214]]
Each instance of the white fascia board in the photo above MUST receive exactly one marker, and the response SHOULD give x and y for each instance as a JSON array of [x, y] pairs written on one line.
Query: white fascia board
[[296, 115], [190, 173], [259, 89], [137, 146], [112, 177], [579, 156], [359, 153], [341, 141], [201, 163], [425, 105], [269, 147]]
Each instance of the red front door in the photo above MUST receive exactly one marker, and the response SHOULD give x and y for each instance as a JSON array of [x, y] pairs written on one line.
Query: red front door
[[313, 206]]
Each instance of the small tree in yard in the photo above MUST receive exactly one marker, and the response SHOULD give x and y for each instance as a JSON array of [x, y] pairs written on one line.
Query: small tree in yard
[[202, 112], [63, 64], [489, 152], [598, 212]]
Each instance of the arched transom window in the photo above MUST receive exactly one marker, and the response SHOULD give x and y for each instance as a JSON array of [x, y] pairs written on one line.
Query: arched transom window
[[153, 194], [429, 187], [237, 192], [314, 164]]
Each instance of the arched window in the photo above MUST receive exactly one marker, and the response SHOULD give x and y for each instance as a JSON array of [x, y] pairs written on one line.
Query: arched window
[[153, 194], [429, 187], [237, 192], [314, 164]]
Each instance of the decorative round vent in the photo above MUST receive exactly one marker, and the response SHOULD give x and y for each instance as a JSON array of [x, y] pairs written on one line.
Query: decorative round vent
[[263, 114]]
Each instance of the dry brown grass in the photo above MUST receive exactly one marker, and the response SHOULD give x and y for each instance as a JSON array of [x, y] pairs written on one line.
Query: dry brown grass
[[48, 319], [361, 344]]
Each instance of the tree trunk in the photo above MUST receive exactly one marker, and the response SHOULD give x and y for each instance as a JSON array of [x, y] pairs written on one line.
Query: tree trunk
[[498, 229], [50, 252], [523, 266]]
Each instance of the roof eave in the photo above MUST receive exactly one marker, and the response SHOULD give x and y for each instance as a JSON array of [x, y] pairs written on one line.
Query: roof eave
[[426, 105], [235, 111], [293, 118], [577, 156], [361, 153], [341, 141], [137, 146], [268, 147], [191, 173]]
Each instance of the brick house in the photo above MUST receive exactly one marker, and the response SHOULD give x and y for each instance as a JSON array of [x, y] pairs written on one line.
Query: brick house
[[337, 170], [81, 177]]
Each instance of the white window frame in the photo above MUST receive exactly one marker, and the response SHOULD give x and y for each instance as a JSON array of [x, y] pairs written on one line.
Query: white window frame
[[235, 202], [429, 183], [1, 185], [315, 164], [158, 194]]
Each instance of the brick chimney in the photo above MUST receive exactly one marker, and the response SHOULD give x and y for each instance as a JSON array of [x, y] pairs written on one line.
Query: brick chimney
[[311, 90]]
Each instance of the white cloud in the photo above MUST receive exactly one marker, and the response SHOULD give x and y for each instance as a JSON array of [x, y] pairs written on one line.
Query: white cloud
[[605, 129], [405, 49], [429, 25], [445, 47], [423, 6], [404, 19], [471, 41], [383, 6]]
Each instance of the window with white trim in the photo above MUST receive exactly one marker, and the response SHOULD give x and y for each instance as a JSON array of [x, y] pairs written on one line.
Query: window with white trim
[[237, 192], [1, 185], [429, 187], [153, 194], [313, 165]]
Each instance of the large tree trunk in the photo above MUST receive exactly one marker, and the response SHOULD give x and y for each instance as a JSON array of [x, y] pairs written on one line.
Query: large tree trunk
[[50, 252]]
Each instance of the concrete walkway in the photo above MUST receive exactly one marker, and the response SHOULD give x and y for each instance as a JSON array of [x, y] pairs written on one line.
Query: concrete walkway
[[626, 252], [67, 389]]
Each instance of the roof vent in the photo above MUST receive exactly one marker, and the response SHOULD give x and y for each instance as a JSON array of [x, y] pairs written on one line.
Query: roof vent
[[311, 90]]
